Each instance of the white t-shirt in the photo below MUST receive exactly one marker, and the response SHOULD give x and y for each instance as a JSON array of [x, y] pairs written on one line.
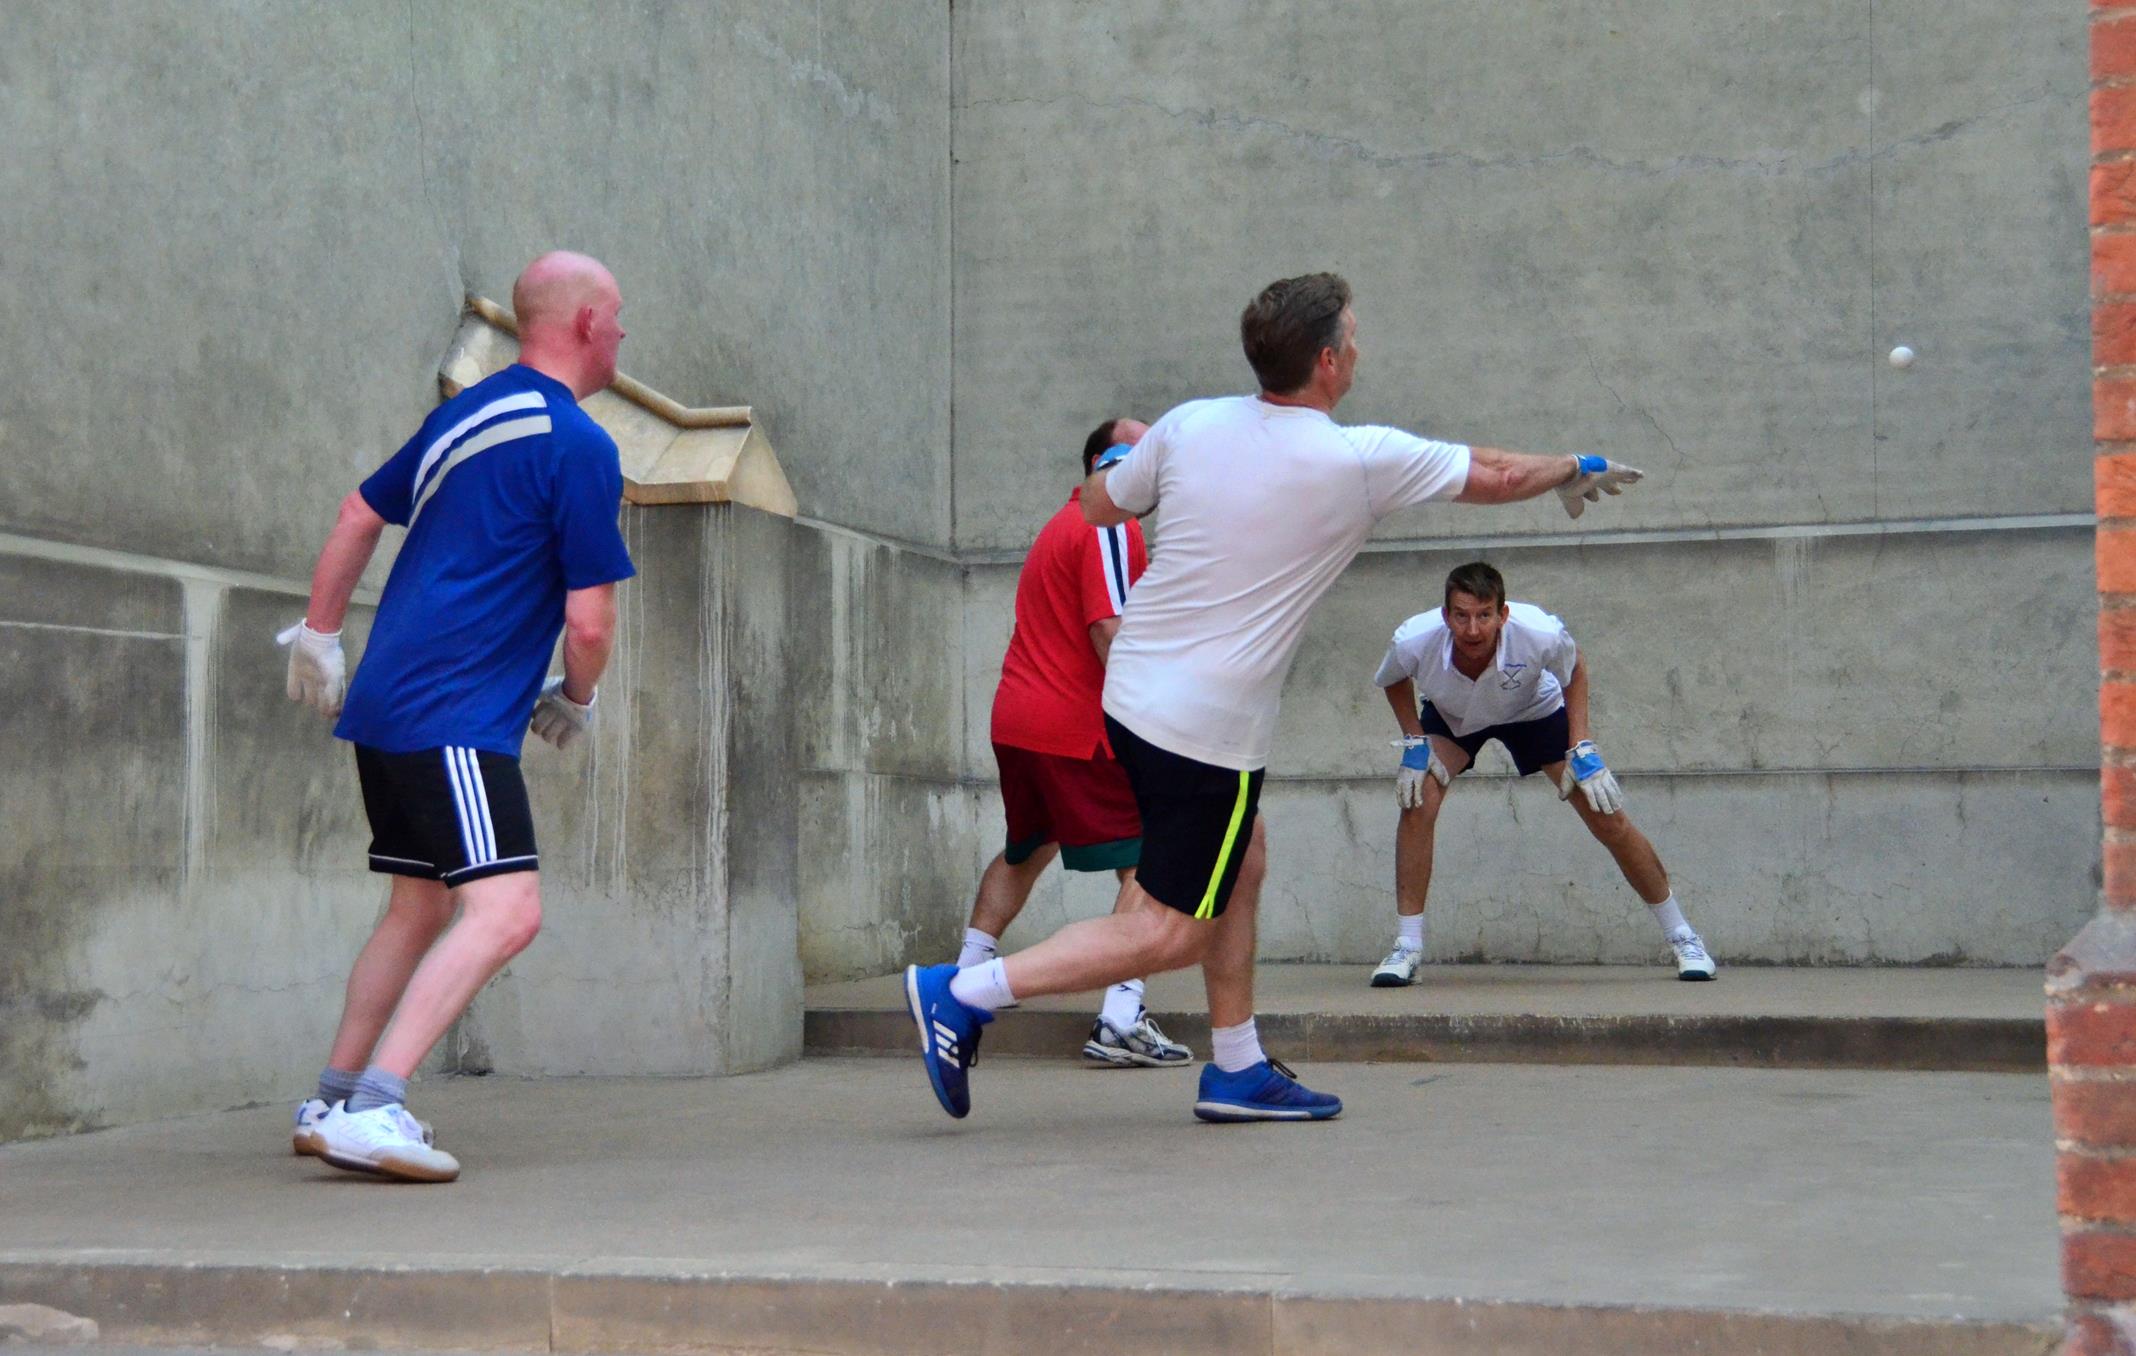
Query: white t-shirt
[[1263, 507], [1525, 682]]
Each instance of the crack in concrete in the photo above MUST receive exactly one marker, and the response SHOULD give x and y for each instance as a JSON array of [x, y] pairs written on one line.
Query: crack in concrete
[[1774, 165], [1594, 370]]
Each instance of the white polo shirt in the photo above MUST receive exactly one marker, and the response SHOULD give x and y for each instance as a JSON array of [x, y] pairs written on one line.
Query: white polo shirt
[[1263, 505], [1526, 681]]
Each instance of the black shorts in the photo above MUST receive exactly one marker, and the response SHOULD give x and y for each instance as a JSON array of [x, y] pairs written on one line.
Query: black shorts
[[1534, 744], [448, 814], [1197, 820]]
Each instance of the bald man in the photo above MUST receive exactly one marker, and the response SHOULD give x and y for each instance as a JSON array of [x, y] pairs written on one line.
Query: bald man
[[509, 495]]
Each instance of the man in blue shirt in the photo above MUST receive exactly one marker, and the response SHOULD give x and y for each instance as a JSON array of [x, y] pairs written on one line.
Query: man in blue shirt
[[509, 493]]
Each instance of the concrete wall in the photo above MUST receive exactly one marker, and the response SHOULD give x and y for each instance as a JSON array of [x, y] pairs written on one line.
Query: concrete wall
[[238, 239], [1842, 638]]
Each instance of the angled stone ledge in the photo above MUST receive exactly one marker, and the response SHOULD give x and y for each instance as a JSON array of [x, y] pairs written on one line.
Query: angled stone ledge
[[672, 453]]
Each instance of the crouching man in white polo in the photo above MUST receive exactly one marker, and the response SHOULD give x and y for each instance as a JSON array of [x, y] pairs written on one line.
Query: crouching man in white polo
[[1478, 669]]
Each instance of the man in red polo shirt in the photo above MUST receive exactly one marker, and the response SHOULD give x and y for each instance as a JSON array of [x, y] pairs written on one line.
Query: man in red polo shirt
[[1061, 791]]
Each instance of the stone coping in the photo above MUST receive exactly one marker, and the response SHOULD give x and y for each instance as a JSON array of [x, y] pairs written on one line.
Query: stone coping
[[672, 453]]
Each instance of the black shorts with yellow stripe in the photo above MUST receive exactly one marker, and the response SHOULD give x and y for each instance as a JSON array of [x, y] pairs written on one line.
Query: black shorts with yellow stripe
[[1197, 820]]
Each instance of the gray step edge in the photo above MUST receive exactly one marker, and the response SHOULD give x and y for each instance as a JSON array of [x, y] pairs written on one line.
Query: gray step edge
[[588, 1309]]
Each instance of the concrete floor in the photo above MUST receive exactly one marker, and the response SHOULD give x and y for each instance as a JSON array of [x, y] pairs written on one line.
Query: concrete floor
[[1819, 1192]]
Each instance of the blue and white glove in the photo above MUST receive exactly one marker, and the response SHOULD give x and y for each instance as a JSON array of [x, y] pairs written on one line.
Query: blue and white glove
[[559, 719], [1596, 477], [1419, 760], [1584, 769], [318, 671]]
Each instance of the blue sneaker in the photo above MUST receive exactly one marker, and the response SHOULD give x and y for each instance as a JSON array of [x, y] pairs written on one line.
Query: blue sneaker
[[949, 1034], [1267, 1091]]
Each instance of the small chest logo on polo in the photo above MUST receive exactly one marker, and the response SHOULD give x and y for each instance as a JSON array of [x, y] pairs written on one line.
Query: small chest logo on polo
[[1511, 676]]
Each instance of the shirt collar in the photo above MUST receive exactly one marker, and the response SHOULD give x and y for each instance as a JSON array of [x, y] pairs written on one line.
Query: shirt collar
[[1498, 660]]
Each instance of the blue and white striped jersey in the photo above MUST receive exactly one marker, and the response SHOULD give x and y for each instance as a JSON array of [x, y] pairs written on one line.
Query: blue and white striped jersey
[[509, 492]]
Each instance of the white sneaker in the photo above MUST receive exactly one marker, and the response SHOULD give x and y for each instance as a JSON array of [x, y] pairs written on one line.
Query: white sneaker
[[304, 1137], [1399, 970], [1692, 962], [1142, 1045], [385, 1140]]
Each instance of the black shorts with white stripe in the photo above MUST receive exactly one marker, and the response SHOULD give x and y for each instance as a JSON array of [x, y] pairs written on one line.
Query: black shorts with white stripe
[[450, 814]]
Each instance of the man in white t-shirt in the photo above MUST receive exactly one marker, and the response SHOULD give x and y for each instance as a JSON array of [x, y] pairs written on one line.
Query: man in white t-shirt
[[1265, 499], [1477, 669]]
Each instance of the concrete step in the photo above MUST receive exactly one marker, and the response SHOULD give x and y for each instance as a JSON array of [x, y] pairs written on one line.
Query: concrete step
[[590, 1309], [830, 1207], [1763, 1017]]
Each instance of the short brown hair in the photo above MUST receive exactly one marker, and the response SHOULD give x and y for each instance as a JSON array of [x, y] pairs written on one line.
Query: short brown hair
[[1477, 580], [1100, 438], [1286, 327]]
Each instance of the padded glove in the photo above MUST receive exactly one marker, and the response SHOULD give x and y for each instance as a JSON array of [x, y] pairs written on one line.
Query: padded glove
[[559, 719], [318, 671]]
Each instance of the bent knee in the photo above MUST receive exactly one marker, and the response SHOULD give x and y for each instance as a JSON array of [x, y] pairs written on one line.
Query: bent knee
[[521, 929], [508, 908], [1175, 940], [1612, 830]]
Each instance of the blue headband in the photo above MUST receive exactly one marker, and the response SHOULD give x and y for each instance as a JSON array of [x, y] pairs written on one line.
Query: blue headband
[[1111, 455]]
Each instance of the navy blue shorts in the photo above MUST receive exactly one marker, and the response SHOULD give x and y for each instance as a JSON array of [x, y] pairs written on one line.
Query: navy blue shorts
[[1534, 744]]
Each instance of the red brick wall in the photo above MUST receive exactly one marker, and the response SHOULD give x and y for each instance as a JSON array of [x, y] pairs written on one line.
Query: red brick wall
[[2091, 986]]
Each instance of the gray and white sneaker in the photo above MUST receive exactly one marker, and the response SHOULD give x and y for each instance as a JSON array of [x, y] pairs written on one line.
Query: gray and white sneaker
[[1692, 962], [385, 1140], [1140, 1046], [1399, 970]]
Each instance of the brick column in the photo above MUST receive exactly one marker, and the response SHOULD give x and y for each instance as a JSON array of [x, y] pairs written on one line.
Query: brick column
[[2091, 985]]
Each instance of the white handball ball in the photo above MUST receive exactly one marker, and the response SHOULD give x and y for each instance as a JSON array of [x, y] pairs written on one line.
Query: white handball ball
[[1902, 357]]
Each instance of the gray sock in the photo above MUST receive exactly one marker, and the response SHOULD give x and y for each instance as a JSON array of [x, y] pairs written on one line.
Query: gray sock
[[378, 1088], [335, 1085]]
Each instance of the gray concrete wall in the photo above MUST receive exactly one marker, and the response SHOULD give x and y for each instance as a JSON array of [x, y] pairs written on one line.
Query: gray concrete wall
[[1842, 638], [886, 814], [237, 240]]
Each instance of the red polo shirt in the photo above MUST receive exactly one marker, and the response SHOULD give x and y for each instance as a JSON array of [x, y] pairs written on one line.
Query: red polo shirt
[[1051, 680]]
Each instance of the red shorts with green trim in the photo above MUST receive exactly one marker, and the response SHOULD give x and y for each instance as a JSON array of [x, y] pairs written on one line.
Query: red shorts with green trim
[[1084, 804]]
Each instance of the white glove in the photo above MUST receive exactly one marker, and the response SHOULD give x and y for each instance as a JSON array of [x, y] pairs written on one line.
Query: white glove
[[559, 719], [318, 671], [1596, 477], [1419, 760], [1584, 769]]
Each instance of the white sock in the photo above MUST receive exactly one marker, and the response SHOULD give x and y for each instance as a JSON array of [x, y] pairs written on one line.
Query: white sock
[[985, 986], [1123, 1005], [1235, 1047], [1409, 932], [978, 946], [1669, 916]]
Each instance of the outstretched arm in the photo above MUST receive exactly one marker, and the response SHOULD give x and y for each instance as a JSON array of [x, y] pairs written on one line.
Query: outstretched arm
[[1500, 477]]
